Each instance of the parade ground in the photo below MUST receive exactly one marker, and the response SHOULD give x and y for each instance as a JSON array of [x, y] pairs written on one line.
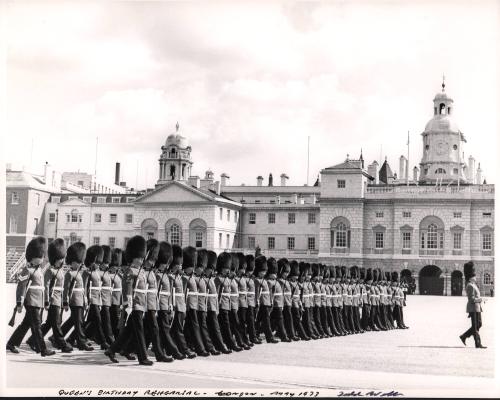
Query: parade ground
[[428, 356]]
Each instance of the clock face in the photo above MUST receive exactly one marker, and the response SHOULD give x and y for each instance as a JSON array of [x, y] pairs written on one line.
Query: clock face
[[442, 148]]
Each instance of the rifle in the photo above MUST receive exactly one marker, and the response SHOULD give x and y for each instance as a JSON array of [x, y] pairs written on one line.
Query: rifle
[[12, 320], [257, 299]]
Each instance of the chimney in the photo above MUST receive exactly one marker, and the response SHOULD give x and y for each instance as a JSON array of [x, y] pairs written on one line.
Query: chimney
[[123, 184], [472, 169], [224, 178], [117, 173], [270, 180], [260, 179], [284, 179], [295, 198], [194, 181], [402, 167], [415, 174], [479, 174], [373, 171], [278, 199], [217, 187]]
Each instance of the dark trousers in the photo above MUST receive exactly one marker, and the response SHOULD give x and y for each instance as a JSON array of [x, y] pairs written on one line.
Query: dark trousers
[[396, 313], [114, 314], [236, 329], [331, 321], [277, 323], [76, 320], [250, 323], [225, 327], [297, 323], [337, 316], [164, 320], [106, 324], [388, 314], [215, 331], [324, 320], [242, 328], [53, 322], [264, 322], [32, 320], [373, 316], [356, 318], [192, 331], [305, 322], [93, 325], [365, 316], [134, 328], [152, 333], [317, 320], [288, 319], [349, 318], [205, 335], [177, 331], [381, 316], [312, 322], [476, 323]]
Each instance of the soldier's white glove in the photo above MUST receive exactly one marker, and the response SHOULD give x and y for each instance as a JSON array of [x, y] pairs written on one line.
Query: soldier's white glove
[[19, 309]]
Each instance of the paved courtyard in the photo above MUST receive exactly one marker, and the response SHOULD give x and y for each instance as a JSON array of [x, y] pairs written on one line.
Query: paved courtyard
[[428, 356]]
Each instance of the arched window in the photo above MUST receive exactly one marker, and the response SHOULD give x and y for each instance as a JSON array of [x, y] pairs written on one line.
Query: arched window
[[440, 171], [432, 236], [341, 236], [431, 233], [13, 224], [340, 233], [487, 278], [175, 234], [442, 109]]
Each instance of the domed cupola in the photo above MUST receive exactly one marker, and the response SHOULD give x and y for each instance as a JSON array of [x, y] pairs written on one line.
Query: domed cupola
[[442, 144], [175, 160]]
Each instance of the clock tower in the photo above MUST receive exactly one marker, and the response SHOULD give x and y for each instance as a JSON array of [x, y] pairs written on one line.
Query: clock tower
[[442, 156]]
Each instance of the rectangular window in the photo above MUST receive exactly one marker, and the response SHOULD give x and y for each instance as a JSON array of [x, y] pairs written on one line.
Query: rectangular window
[[379, 240], [251, 242], [406, 214], [13, 224], [220, 213], [56, 199], [257, 201], [101, 200], [486, 214], [291, 218], [68, 218], [271, 218], [341, 238], [457, 214], [379, 214], [52, 217], [487, 241], [128, 218], [341, 183], [14, 198], [311, 218], [74, 217], [229, 215], [311, 243], [37, 198], [115, 200], [457, 240], [227, 241], [290, 243], [112, 241], [199, 239], [80, 183], [406, 240], [97, 217], [220, 240], [251, 218], [97, 240], [271, 242], [236, 216], [87, 199], [113, 218]]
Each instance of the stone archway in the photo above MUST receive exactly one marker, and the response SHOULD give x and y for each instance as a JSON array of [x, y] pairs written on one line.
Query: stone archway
[[406, 276], [149, 228], [430, 281], [198, 233], [457, 283]]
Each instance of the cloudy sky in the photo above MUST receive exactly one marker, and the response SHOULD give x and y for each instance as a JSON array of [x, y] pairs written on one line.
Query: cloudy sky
[[247, 81]]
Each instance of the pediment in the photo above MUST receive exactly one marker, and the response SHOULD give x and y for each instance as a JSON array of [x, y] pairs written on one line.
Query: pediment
[[174, 192], [74, 202]]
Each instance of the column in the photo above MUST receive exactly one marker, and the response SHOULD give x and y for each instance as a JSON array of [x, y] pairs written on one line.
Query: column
[[414, 275], [160, 175]]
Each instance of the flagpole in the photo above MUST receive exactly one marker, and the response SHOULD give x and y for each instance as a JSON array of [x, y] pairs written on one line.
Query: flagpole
[[307, 181], [408, 160]]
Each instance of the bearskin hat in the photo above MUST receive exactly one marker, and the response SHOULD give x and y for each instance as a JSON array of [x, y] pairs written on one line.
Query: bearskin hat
[[395, 276], [272, 266], [469, 270], [260, 264], [375, 275], [189, 257], [211, 260], [326, 271], [369, 275], [294, 268], [235, 262], [75, 253], [106, 257], [136, 248], [338, 272], [94, 255], [250, 260], [283, 266], [164, 254], [354, 272], [36, 248], [332, 271], [314, 270], [388, 276], [177, 254], [152, 249], [307, 268], [223, 261], [116, 258], [56, 251], [242, 264], [362, 273], [202, 259], [343, 270]]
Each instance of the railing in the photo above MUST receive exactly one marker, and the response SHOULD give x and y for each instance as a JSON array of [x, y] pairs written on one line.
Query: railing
[[14, 270], [474, 189], [272, 252], [431, 252]]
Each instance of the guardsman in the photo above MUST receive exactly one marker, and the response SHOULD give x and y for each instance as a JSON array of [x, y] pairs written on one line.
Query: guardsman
[[165, 306], [283, 273], [263, 300], [250, 282], [106, 295], [242, 281], [192, 326], [134, 302], [234, 320], [338, 301], [151, 329], [74, 295], [473, 307], [306, 297], [322, 310], [396, 299], [357, 302], [115, 271], [179, 301], [54, 285], [372, 276], [327, 284], [202, 285], [310, 285], [213, 304], [223, 285], [30, 293], [316, 299], [296, 308], [365, 300], [277, 301], [332, 293]]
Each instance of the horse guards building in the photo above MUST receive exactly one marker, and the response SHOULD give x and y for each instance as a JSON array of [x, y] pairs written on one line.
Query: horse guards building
[[425, 222]]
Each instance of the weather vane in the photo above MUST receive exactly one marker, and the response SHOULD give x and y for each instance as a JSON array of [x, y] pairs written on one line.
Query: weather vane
[[443, 85], [177, 126]]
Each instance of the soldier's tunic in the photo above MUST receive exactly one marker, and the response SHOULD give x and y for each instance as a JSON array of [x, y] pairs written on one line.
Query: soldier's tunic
[[365, 302], [30, 293], [242, 288], [263, 300], [287, 308], [179, 303], [297, 310], [165, 313], [234, 320], [223, 284], [306, 303], [323, 311], [277, 322], [106, 299], [202, 285], [74, 296], [116, 299], [93, 325], [356, 302], [192, 330], [151, 328], [250, 317], [212, 315]]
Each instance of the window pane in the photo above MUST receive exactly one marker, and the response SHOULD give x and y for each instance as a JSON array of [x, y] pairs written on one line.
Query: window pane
[[379, 240], [270, 243], [175, 234]]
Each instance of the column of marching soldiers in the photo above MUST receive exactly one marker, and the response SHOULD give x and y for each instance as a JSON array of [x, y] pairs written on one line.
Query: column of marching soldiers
[[188, 302]]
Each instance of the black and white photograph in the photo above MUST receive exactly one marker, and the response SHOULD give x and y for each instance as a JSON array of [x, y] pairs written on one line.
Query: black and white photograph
[[289, 199]]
